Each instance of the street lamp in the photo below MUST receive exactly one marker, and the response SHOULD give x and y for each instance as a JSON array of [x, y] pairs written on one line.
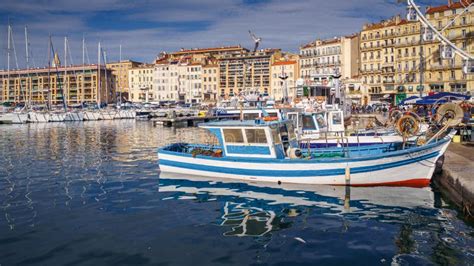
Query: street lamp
[[283, 76]]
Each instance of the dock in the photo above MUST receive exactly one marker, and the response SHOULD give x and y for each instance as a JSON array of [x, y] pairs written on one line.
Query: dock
[[190, 121], [457, 178]]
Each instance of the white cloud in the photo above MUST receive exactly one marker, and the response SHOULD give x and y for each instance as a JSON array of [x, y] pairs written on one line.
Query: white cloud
[[281, 23]]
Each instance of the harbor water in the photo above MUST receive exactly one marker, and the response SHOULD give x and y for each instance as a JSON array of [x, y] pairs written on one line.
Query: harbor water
[[91, 193]]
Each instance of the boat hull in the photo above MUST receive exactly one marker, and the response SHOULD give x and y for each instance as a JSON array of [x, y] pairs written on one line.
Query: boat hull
[[74, 116], [14, 118], [91, 116], [395, 169]]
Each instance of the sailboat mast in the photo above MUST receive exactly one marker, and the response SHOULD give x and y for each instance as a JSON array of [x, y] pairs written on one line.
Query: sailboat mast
[[49, 73], [26, 48], [106, 78], [98, 75], [8, 57], [65, 87], [120, 75], [27, 65], [83, 68]]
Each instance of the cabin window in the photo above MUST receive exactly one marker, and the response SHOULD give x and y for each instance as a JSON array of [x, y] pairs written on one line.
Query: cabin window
[[273, 114], [336, 119], [291, 131], [251, 116], [321, 121], [232, 135], [276, 136], [308, 123], [256, 136]]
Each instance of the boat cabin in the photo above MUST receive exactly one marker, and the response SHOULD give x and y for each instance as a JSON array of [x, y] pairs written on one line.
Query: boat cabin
[[254, 138], [311, 125], [252, 113]]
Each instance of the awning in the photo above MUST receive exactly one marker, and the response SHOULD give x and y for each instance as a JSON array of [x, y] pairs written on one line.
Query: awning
[[410, 100]]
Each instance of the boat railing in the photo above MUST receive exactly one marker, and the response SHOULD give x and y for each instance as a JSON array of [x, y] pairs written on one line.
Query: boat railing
[[329, 135]]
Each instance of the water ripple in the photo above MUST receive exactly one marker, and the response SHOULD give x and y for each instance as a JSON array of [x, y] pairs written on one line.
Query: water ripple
[[90, 193]]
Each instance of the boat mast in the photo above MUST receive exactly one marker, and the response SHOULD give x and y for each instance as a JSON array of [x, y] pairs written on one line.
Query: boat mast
[[8, 59], [98, 76], [106, 78], [83, 69], [120, 74], [28, 65], [65, 87], [49, 74]]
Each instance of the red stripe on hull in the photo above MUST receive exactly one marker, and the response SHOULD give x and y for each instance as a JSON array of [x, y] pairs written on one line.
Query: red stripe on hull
[[416, 183]]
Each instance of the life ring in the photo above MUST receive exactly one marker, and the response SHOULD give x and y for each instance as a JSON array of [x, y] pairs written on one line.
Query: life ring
[[270, 118], [408, 126], [320, 99]]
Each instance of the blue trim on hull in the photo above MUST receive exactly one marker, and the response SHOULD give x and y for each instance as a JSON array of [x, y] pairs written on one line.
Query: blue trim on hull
[[293, 173], [370, 157]]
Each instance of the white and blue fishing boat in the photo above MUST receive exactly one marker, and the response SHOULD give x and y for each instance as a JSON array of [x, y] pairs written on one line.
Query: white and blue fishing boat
[[255, 150]]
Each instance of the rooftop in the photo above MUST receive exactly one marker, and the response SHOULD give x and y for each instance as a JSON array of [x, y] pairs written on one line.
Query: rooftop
[[322, 42], [449, 6], [210, 49], [281, 63]]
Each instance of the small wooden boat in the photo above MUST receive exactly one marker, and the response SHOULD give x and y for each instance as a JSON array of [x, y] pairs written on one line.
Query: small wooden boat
[[268, 151]]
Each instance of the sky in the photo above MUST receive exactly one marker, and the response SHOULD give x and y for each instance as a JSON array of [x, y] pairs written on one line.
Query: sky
[[144, 28]]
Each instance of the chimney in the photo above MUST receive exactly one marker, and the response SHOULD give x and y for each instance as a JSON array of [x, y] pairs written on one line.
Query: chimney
[[450, 2]]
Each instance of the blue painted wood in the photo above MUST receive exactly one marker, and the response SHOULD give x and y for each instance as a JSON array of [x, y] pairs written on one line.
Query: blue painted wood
[[364, 157], [294, 173], [260, 150]]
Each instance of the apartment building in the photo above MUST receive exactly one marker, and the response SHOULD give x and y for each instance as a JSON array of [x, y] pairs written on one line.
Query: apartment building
[[284, 74], [120, 76], [141, 83], [447, 74], [75, 84], [210, 80], [397, 61], [338, 56], [203, 55], [320, 57], [246, 71]]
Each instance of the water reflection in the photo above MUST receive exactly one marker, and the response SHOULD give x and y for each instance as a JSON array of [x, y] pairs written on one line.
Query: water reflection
[[261, 209], [91, 193]]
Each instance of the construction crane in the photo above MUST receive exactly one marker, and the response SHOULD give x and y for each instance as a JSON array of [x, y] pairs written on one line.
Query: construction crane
[[256, 39]]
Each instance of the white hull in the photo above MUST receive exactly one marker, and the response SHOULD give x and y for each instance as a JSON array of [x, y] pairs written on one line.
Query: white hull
[[74, 116], [107, 115], [405, 169], [14, 118], [38, 117], [91, 116], [57, 117]]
